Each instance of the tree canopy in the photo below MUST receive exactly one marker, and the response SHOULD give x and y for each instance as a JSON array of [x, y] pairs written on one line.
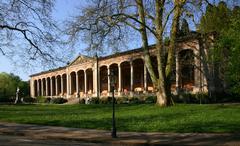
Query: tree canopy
[[9, 84], [225, 21]]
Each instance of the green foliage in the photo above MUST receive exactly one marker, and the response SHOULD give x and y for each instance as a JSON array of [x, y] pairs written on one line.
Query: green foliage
[[229, 46], [122, 100], [9, 84], [7, 99], [184, 29], [94, 100], [82, 101], [24, 88], [215, 19], [192, 98], [28, 99], [151, 99], [166, 41], [40, 99], [134, 117], [105, 100], [43, 99], [226, 51], [58, 100], [135, 100]]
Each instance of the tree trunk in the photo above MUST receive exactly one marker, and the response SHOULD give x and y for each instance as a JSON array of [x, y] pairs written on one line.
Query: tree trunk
[[147, 59], [162, 97], [162, 84], [165, 97]]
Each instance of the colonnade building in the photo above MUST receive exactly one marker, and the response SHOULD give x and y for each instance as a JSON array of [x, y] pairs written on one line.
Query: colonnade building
[[88, 76]]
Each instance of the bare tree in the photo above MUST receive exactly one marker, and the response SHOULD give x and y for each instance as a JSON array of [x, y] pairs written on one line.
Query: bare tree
[[27, 31], [104, 21]]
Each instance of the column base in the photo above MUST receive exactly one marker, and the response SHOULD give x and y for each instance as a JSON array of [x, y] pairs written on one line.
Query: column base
[[119, 93], [131, 93]]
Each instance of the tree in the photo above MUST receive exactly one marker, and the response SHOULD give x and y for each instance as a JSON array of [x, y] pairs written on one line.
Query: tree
[[9, 84], [229, 43], [27, 31], [184, 30], [220, 66], [215, 19], [107, 22]]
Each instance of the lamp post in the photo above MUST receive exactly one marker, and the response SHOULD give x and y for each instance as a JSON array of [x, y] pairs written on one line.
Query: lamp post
[[112, 83]]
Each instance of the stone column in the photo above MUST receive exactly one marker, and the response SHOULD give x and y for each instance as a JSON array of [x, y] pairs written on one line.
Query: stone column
[[95, 80], [51, 86], [42, 87], [32, 88], [97, 77], [119, 79], [56, 86], [109, 84], [131, 83], [70, 84], [38, 88], [62, 85], [85, 82], [197, 70], [77, 86], [47, 94], [67, 76], [177, 74], [145, 78]]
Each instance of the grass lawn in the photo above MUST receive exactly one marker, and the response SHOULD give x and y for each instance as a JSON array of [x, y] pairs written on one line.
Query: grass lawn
[[141, 117]]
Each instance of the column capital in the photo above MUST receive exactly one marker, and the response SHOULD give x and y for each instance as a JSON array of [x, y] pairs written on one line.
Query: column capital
[[131, 62]]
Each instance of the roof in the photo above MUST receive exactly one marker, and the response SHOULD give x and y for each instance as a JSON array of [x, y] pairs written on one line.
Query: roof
[[51, 70]]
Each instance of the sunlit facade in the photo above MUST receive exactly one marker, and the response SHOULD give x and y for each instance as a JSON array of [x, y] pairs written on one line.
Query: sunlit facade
[[88, 76]]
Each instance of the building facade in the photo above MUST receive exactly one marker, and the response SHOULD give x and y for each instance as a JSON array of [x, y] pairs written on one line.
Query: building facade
[[89, 76]]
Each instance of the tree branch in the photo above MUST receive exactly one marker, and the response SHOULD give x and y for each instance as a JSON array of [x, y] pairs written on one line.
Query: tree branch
[[24, 33], [136, 20], [2, 51]]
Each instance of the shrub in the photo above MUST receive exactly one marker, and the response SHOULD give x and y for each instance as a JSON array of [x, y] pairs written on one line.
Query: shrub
[[203, 98], [40, 99], [134, 100], [29, 99], [82, 101], [122, 100], [105, 100], [192, 98], [151, 99], [47, 100], [94, 100], [7, 99], [58, 100]]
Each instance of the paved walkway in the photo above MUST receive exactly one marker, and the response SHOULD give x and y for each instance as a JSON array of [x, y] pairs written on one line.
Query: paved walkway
[[124, 138]]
